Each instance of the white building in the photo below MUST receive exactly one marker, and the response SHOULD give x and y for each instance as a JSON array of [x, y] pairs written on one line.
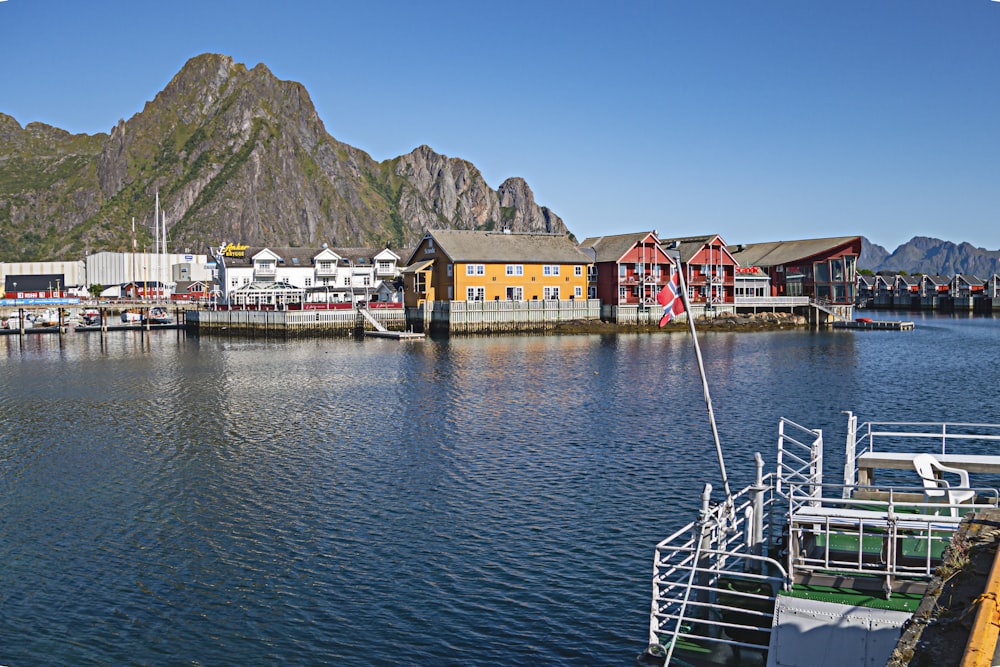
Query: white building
[[73, 272], [281, 276], [118, 268]]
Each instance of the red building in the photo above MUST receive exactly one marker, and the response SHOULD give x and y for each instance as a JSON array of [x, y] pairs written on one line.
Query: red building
[[709, 268], [627, 269], [824, 270]]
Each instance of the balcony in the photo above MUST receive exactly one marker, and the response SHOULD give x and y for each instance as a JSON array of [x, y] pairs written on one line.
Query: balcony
[[265, 271]]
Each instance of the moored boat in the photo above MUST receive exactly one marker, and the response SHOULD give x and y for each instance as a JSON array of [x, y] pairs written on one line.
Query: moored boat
[[91, 317], [794, 570], [155, 315]]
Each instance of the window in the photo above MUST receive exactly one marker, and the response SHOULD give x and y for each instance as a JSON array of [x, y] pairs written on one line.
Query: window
[[578, 291], [622, 270], [515, 269], [347, 281], [515, 294], [475, 269], [450, 270], [837, 266], [384, 266], [429, 248], [550, 270], [475, 293], [309, 282], [578, 271], [366, 281], [822, 272], [550, 293]]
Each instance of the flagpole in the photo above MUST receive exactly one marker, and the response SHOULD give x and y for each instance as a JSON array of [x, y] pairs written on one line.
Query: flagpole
[[675, 256]]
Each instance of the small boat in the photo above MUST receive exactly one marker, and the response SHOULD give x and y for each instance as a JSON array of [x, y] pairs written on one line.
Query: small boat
[[159, 315], [796, 570], [47, 318], [91, 317], [132, 316], [14, 322]]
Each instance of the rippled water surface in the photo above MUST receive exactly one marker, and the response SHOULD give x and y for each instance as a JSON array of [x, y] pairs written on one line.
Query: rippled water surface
[[486, 501]]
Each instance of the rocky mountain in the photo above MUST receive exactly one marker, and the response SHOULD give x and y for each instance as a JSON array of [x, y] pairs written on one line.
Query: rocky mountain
[[235, 155], [930, 256]]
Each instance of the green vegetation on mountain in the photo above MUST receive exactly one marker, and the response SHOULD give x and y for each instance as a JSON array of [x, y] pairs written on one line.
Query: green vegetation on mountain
[[235, 155]]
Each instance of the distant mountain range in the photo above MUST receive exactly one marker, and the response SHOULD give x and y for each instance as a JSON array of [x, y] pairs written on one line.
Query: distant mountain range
[[235, 155], [930, 256]]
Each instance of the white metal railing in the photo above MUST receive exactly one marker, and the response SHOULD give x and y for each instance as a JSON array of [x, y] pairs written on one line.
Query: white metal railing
[[891, 434], [891, 533], [714, 580], [942, 437], [800, 456], [771, 301]]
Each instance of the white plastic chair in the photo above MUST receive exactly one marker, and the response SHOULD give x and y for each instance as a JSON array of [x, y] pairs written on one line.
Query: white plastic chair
[[936, 489]]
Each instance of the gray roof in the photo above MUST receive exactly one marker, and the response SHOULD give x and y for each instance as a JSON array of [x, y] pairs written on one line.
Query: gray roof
[[689, 246], [495, 247], [774, 253], [969, 279], [612, 248], [304, 256]]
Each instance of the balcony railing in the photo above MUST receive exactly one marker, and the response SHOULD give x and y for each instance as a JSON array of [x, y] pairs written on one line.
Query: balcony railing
[[265, 270], [326, 271]]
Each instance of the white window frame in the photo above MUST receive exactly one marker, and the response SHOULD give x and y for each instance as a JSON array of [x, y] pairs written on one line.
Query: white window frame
[[550, 292], [475, 293], [578, 270], [515, 269], [475, 269], [578, 291], [550, 270]]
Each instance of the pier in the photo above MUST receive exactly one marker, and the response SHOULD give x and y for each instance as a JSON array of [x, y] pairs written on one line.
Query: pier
[[874, 325]]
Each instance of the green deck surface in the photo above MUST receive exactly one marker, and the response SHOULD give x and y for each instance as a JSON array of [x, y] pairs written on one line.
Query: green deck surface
[[898, 601]]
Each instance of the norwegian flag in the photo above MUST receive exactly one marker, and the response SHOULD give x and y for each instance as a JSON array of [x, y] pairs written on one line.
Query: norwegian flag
[[670, 298]]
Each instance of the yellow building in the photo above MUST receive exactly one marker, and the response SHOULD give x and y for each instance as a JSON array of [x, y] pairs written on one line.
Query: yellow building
[[460, 265]]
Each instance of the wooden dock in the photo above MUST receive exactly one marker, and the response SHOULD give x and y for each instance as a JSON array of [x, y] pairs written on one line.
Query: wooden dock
[[874, 325]]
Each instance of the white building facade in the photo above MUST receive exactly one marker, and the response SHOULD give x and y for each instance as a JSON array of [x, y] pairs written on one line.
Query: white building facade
[[279, 277]]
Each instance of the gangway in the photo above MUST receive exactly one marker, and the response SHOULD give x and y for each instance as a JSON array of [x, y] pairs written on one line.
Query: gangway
[[382, 332]]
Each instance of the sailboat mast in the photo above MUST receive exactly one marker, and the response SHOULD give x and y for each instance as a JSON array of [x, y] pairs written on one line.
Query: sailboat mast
[[133, 278], [156, 237], [166, 259]]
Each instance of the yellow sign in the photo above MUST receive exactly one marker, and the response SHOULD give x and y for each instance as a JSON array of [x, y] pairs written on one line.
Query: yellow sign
[[234, 250]]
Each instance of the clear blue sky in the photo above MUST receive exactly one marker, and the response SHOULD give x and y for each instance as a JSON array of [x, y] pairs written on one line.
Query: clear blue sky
[[756, 119]]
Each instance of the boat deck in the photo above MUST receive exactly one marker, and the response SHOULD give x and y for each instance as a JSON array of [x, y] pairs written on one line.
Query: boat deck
[[753, 575]]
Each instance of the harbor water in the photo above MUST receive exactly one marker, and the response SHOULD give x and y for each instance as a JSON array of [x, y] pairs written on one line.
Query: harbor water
[[174, 500]]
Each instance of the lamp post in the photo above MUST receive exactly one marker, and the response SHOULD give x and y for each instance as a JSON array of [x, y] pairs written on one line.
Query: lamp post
[[20, 315]]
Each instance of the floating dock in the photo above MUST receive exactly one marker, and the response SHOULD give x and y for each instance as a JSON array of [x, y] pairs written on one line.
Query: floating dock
[[874, 325], [398, 335]]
